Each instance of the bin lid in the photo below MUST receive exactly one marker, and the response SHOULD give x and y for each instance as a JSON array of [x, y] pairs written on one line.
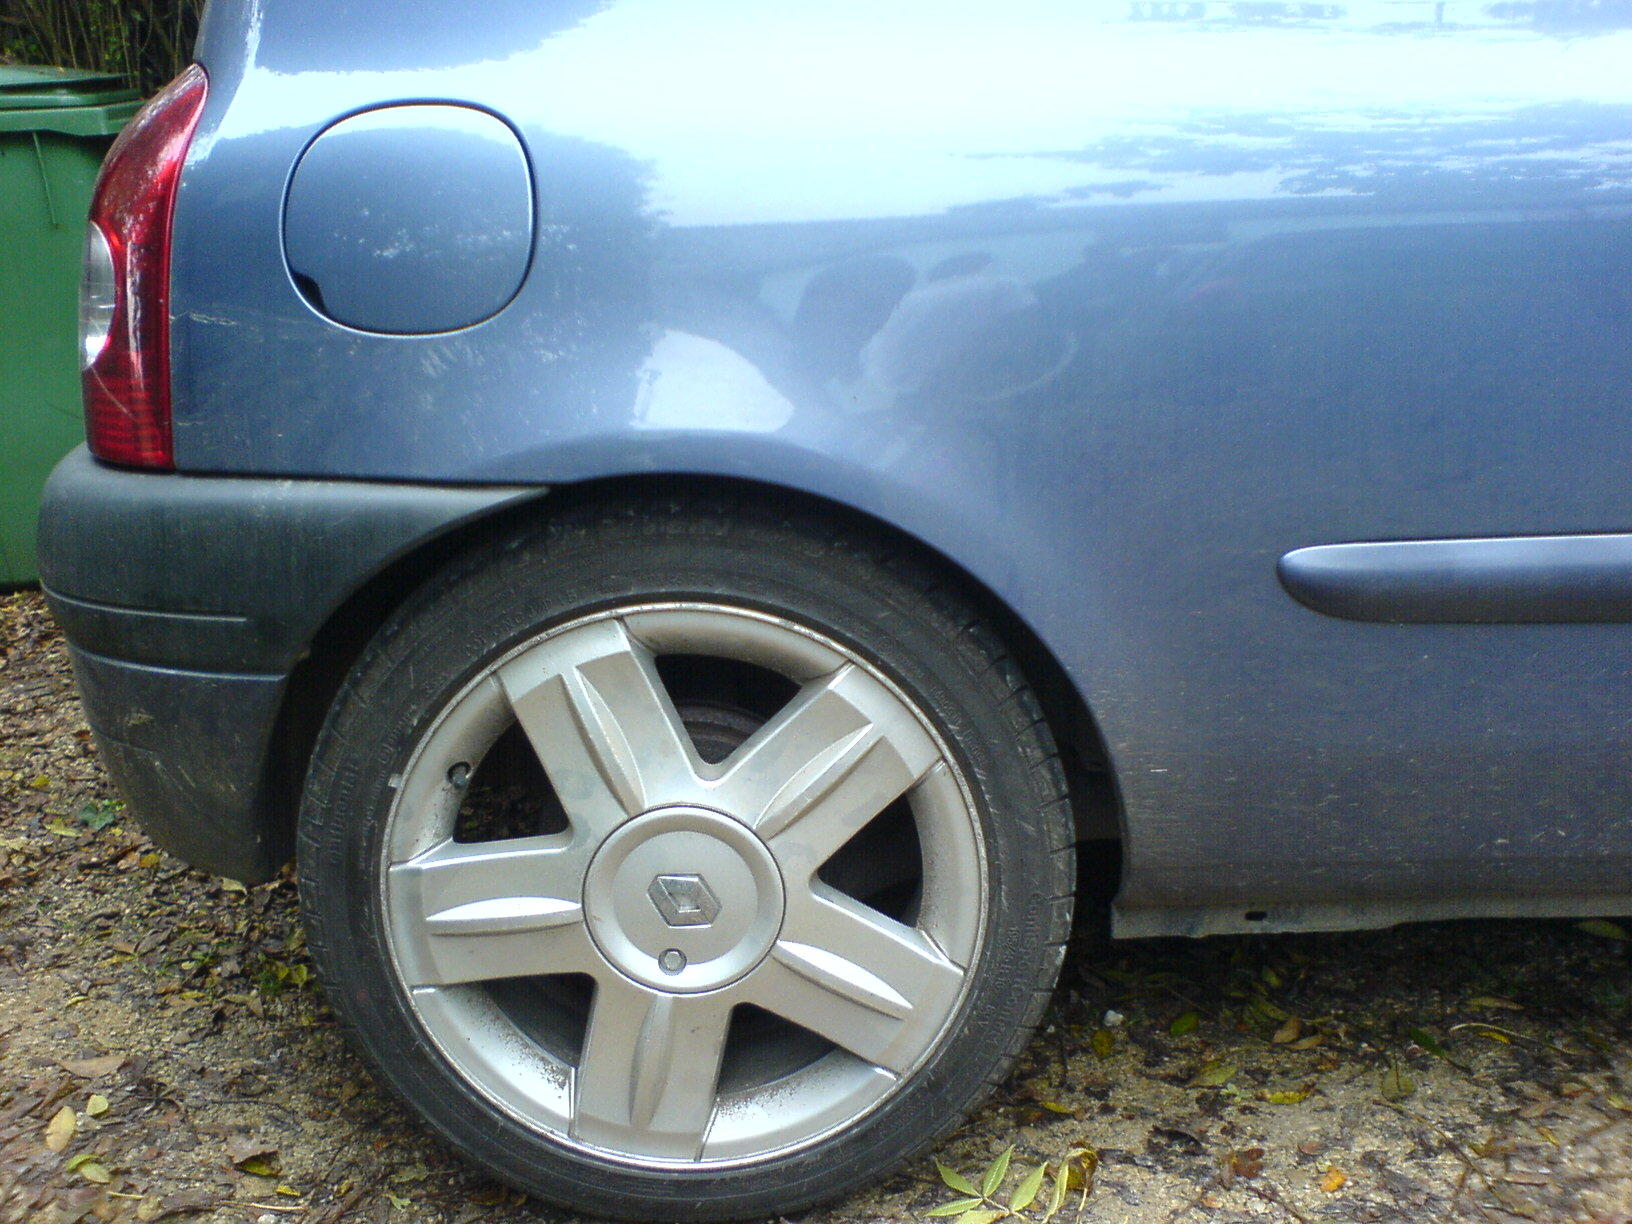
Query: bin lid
[[80, 103]]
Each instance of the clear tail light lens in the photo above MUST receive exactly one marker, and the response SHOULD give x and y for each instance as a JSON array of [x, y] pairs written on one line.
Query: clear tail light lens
[[98, 295], [125, 295]]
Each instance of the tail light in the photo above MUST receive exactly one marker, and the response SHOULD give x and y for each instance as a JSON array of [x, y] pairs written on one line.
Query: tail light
[[125, 294]]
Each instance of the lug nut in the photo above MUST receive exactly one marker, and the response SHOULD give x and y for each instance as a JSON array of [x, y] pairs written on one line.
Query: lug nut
[[459, 776], [672, 961]]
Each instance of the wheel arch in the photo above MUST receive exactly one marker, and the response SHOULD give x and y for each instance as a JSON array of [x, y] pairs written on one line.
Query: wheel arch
[[343, 636]]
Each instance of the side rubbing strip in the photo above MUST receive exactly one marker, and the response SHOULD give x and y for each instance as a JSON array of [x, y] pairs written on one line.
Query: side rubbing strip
[[1515, 580]]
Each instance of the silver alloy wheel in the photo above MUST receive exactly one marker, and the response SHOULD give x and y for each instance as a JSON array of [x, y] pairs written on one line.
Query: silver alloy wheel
[[683, 890]]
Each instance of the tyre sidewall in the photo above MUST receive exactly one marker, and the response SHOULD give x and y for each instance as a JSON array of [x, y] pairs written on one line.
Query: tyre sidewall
[[493, 602]]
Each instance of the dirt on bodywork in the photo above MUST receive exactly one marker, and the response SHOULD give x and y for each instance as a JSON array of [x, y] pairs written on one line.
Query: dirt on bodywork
[[166, 1055]]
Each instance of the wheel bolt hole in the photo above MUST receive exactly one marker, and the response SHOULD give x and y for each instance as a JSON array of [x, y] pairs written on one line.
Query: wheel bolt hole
[[459, 775], [672, 961]]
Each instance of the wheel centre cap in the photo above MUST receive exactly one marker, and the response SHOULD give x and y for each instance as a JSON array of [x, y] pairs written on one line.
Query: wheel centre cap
[[683, 899]]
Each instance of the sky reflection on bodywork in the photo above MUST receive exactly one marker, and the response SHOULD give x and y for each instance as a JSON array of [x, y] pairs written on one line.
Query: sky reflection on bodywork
[[1114, 304]]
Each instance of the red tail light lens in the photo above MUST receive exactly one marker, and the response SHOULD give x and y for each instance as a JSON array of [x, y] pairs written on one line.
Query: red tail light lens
[[125, 296]]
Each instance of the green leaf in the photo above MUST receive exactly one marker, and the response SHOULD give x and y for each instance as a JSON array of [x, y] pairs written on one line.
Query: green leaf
[[1491, 1001], [1214, 1074], [1269, 1014], [1184, 1024], [1397, 1085], [1104, 1043], [258, 1166], [1601, 927], [1426, 1040], [955, 1207], [981, 1217], [955, 1180], [1294, 1097], [1056, 1196], [999, 1170], [98, 817], [1025, 1194]]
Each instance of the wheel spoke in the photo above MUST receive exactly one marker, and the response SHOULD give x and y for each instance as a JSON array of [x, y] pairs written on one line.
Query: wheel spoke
[[602, 724], [647, 1078], [470, 913], [837, 756], [865, 982]]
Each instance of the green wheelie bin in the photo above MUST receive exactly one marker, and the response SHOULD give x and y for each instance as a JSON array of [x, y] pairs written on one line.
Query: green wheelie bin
[[55, 126]]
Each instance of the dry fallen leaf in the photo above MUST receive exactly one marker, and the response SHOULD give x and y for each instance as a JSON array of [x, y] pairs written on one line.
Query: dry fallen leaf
[[1288, 1032], [59, 1132], [1334, 1180], [1245, 1163], [97, 1105], [253, 1156], [187, 1201], [1397, 1085], [92, 1068], [246, 1147]]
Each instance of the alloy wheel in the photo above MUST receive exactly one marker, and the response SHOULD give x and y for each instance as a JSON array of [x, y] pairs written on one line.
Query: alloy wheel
[[679, 969]]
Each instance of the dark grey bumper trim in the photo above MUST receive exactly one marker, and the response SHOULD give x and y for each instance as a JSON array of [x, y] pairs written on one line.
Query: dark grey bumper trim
[[187, 602], [226, 573], [188, 751]]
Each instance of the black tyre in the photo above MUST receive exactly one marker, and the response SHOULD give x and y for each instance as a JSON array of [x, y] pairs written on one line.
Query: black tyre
[[687, 862]]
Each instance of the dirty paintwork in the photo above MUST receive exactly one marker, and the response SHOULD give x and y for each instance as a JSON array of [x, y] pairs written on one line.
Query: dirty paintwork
[[1114, 305]]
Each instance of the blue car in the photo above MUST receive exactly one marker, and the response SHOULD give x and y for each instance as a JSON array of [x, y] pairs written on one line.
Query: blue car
[[688, 520]]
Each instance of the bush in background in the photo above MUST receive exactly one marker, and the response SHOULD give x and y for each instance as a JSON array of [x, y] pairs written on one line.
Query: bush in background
[[145, 41]]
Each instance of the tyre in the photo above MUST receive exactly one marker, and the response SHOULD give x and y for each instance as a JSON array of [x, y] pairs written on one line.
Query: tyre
[[685, 862]]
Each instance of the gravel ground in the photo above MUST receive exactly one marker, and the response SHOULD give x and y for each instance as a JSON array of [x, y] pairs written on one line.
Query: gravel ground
[[164, 1053]]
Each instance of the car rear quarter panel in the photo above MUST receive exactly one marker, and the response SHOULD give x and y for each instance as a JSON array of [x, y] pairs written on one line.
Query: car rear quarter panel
[[1113, 304]]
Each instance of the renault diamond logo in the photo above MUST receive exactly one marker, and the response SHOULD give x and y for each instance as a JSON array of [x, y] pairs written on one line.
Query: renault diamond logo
[[684, 900]]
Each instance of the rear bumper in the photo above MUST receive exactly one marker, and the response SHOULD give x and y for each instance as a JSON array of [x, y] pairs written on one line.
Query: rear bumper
[[190, 752], [188, 603]]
